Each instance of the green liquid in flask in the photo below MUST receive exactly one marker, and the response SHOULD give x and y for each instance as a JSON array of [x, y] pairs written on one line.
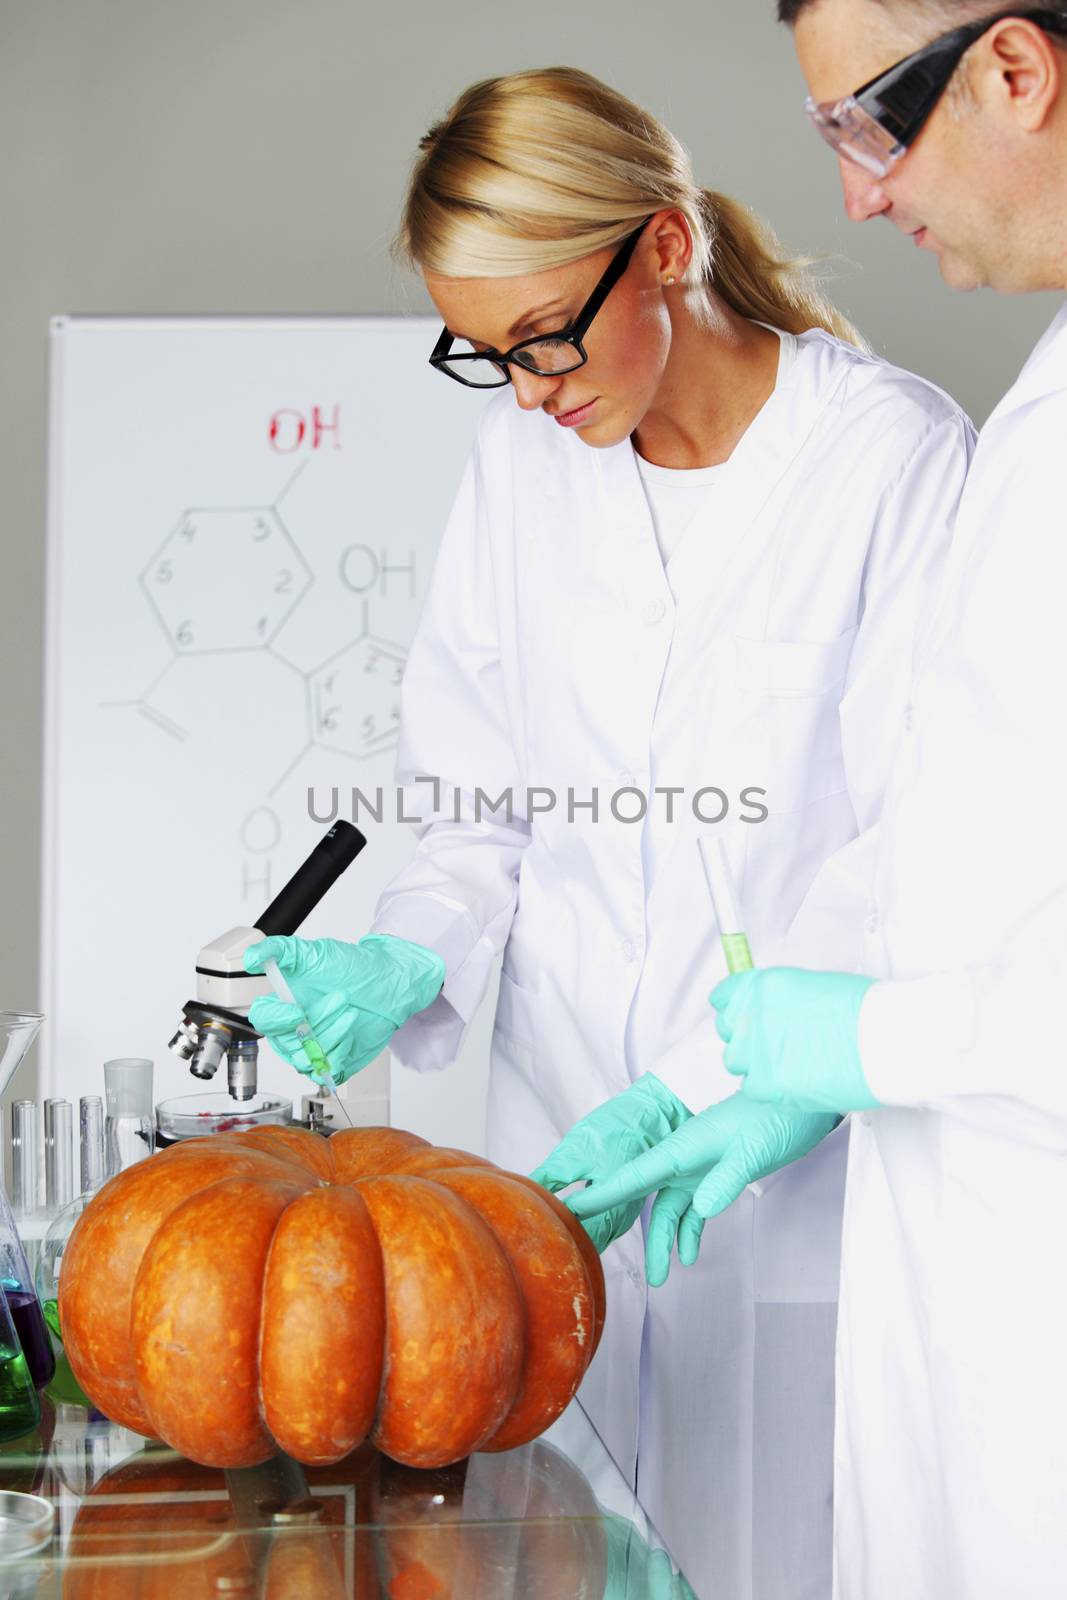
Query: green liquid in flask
[[20, 1409], [51, 1316]]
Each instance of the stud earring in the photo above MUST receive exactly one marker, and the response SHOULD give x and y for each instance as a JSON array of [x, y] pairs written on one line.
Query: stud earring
[[669, 280]]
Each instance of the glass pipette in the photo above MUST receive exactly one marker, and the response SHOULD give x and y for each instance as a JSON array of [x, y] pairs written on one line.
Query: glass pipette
[[320, 1066]]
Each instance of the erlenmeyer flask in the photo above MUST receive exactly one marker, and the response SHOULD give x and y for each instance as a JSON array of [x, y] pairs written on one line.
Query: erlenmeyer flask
[[24, 1308], [50, 1258], [18, 1030], [20, 1409], [49, 1267]]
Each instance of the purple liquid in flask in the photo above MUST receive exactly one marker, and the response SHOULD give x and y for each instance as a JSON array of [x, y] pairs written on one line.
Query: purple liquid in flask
[[32, 1330]]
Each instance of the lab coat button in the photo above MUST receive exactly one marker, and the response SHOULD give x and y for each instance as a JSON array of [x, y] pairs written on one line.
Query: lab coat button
[[874, 921], [909, 717], [655, 611], [634, 1276], [625, 778], [629, 949]]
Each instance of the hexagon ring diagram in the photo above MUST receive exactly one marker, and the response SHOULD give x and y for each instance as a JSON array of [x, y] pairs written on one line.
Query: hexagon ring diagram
[[226, 578], [355, 698]]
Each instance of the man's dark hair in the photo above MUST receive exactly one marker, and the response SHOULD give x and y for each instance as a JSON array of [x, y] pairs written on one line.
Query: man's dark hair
[[789, 10]]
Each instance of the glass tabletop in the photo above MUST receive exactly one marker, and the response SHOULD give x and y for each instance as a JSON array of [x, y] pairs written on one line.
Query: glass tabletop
[[552, 1520]]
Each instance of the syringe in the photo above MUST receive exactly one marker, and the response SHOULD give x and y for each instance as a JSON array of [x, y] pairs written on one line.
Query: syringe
[[320, 1066], [724, 902]]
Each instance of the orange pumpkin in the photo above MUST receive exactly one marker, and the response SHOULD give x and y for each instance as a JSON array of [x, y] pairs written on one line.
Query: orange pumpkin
[[254, 1291]]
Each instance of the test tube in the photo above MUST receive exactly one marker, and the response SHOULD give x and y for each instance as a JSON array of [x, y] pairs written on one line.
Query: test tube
[[91, 1117], [724, 901], [58, 1154], [24, 1156]]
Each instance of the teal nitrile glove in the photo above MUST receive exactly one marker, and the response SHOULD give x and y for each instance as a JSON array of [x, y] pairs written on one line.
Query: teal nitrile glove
[[355, 996], [702, 1168], [612, 1134], [793, 1036]]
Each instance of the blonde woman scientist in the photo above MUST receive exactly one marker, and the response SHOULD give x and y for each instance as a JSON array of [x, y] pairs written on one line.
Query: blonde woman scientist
[[677, 595]]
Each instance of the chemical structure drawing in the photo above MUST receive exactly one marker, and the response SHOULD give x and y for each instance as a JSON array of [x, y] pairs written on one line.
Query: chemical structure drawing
[[355, 698], [223, 585], [251, 544]]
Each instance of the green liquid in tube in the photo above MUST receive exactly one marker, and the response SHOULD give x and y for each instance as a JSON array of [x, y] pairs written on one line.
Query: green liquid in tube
[[321, 1069], [316, 1055], [738, 955]]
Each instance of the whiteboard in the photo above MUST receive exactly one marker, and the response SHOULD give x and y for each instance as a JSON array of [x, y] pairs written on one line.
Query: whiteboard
[[243, 516]]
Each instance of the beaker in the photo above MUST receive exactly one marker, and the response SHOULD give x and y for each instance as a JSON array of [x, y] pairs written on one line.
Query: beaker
[[21, 1303], [130, 1128]]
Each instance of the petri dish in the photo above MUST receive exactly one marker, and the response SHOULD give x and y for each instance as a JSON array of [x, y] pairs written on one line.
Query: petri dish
[[191, 1116], [26, 1523]]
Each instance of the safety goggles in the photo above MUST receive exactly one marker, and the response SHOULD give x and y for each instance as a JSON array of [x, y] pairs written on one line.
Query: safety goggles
[[547, 357], [877, 124]]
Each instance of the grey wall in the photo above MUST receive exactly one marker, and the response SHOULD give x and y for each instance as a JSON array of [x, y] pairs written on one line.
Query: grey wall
[[249, 155]]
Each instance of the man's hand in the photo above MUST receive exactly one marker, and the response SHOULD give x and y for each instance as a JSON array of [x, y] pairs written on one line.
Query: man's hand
[[793, 1036]]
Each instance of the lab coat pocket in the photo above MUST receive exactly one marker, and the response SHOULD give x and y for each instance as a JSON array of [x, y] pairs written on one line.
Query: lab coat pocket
[[792, 666], [526, 1119], [790, 693], [515, 1011], [797, 1226]]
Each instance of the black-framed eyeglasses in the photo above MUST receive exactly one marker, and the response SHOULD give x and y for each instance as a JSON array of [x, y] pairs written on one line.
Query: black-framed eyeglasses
[[548, 357], [875, 126]]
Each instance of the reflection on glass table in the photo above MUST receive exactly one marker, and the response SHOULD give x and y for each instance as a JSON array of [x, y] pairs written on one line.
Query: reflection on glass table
[[552, 1520]]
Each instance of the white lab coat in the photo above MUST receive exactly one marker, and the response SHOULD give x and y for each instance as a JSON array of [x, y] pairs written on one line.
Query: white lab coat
[[952, 1362], [555, 651]]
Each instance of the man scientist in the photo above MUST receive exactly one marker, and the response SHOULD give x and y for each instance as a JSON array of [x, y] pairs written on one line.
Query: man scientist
[[949, 120]]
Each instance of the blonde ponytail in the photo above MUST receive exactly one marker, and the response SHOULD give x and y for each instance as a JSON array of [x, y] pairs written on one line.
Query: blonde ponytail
[[749, 272], [538, 169]]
